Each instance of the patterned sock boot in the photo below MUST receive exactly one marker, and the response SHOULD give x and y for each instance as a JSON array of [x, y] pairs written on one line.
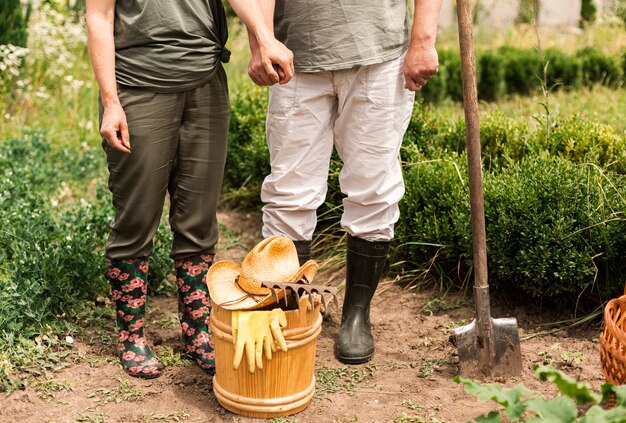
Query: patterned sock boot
[[194, 309], [128, 286]]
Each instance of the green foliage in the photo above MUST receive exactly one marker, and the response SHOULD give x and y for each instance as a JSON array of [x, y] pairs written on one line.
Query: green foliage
[[553, 228], [598, 68], [492, 71], [563, 71], [247, 162], [48, 263], [583, 141], [620, 10], [522, 405], [14, 22], [588, 12], [523, 70], [527, 11]]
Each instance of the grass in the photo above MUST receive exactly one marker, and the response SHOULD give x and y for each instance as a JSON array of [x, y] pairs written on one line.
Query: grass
[[600, 104], [122, 392], [611, 39], [347, 380]]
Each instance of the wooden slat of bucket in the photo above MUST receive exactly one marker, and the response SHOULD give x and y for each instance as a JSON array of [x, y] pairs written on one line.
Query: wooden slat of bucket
[[283, 386]]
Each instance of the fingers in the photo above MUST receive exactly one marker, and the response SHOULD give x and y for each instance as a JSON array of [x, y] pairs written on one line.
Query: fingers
[[114, 130], [268, 346], [411, 85], [258, 75], [271, 72], [278, 320], [278, 336], [258, 352], [239, 347], [250, 353], [125, 136]]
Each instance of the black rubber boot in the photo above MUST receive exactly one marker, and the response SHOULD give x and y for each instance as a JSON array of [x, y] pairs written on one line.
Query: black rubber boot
[[304, 251], [364, 266]]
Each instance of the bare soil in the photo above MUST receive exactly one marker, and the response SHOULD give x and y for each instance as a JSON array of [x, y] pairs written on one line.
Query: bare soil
[[408, 380]]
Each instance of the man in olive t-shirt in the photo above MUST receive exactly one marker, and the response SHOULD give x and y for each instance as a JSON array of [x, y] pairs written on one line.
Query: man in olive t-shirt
[[358, 64], [164, 120]]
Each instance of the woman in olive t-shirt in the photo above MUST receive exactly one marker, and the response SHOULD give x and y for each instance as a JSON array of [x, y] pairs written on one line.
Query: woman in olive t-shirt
[[164, 119]]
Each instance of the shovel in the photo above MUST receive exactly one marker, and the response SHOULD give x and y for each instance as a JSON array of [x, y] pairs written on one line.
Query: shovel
[[487, 347]]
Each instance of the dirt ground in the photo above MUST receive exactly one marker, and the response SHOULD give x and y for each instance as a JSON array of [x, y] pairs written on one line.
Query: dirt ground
[[408, 380]]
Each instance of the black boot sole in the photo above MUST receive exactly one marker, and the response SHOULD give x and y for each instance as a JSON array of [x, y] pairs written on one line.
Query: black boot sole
[[144, 376]]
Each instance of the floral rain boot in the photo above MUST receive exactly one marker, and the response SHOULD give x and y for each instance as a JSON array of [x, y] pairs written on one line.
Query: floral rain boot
[[194, 309], [128, 286]]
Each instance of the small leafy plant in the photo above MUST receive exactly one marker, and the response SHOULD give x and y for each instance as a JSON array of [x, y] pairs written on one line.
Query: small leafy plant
[[578, 402]]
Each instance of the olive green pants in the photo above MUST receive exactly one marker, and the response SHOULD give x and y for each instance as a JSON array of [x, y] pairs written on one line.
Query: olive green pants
[[178, 143]]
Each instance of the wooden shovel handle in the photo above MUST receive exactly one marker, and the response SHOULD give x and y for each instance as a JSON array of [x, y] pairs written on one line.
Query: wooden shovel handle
[[472, 130]]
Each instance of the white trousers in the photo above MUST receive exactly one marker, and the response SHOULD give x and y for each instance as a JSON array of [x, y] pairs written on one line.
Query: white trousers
[[363, 112]]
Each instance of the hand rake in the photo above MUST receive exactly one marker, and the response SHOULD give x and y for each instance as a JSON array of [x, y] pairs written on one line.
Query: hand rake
[[299, 289]]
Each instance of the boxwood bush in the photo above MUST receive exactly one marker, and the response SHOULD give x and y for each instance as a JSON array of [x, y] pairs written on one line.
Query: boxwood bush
[[517, 71], [247, 162], [554, 228], [523, 73], [492, 71], [598, 68]]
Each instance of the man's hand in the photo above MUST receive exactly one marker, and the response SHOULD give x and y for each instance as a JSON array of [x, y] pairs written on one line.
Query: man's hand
[[420, 64], [271, 62], [114, 128]]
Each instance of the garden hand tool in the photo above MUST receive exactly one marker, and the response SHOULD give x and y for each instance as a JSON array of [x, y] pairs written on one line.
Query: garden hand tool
[[299, 288], [254, 332], [486, 346]]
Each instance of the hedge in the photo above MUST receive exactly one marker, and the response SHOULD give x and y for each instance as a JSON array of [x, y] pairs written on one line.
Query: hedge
[[509, 70], [554, 228]]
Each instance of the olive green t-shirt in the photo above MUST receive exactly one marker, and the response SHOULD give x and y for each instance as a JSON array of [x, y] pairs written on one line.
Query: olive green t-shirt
[[168, 45], [329, 35]]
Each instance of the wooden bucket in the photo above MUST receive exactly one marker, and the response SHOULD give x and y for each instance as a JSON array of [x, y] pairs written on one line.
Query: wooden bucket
[[286, 383]]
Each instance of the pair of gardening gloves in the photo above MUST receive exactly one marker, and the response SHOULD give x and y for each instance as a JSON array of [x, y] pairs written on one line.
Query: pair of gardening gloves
[[256, 332]]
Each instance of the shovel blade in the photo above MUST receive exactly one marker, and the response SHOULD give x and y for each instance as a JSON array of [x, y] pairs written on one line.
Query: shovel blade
[[476, 362]]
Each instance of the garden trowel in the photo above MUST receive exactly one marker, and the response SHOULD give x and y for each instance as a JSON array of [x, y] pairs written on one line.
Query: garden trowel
[[487, 347]]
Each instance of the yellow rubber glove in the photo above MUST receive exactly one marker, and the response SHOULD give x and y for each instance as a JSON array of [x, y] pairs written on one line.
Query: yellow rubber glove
[[252, 334], [278, 320]]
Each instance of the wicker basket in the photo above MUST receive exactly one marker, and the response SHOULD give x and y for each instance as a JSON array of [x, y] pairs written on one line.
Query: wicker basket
[[613, 341], [286, 383]]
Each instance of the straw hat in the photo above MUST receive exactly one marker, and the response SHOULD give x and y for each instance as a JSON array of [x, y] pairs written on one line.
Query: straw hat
[[274, 259]]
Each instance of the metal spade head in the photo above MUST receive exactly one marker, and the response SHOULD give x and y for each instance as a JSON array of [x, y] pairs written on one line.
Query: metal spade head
[[479, 359]]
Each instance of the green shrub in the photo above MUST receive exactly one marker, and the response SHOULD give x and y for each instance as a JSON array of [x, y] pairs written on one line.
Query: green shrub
[[527, 11], [451, 61], [503, 140], [434, 223], [14, 22], [553, 228], [247, 162], [583, 141], [51, 249], [598, 68], [523, 73], [588, 13], [491, 76], [563, 71]]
